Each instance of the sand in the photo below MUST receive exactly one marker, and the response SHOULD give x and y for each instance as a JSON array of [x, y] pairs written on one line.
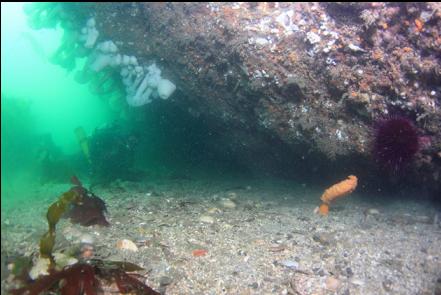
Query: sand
[[258, 237]]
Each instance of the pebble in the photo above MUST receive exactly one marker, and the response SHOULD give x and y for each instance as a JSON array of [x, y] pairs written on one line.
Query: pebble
[[290, 264], [332, 284], [387, 285], [164, 281], [232, 195], [393, 264], [373, 211], [357, 282], [199, 252], [438, 287], [348, 272], [206, 219], [227, 203], [355, 48], [227, 226], [63, 260], [313, 38], [126, 245], [277, 248], [323, 238], [241, 253], [71, 233], [213, 210], [86, 251], [423, 219], [86, 239]]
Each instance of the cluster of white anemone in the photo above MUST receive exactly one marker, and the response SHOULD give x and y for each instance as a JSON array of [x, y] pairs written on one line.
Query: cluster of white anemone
[[142, 83]]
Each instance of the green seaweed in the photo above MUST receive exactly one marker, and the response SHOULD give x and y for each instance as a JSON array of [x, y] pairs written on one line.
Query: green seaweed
[[54, 213], [78, 279]]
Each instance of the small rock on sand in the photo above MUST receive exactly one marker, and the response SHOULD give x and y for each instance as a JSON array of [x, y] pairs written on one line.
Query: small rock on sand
[[290, 264], [232, 195], [227, 203], [40, 268], [206, 219], [213, 210], [86, 239], [164, 281], [372, 211], [332, 284], [325, 239], [126, 245]]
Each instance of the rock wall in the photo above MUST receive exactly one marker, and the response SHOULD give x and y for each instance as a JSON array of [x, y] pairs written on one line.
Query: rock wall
[[312, 77]]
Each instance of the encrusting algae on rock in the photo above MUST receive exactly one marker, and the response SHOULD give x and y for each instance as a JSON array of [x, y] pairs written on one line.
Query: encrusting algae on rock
[[338, 190]]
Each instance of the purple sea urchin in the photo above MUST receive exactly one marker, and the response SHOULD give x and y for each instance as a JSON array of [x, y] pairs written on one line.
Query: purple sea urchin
[[396, 141]]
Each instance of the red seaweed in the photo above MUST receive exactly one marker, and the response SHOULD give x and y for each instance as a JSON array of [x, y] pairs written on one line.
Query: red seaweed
[[85, 278], [77, 279], [128, 283], [90, 210]]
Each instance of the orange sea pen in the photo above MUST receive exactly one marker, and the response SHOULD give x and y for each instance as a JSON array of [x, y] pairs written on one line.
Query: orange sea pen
[[336, 191]]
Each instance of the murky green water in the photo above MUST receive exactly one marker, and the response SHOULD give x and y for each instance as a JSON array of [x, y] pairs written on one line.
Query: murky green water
[[53, 127]]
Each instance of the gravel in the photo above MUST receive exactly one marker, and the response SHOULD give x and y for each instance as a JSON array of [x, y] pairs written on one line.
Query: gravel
[[270, 243]]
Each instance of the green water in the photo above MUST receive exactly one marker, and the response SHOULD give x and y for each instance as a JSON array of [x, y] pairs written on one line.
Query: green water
[[42, 105], [37, 99]]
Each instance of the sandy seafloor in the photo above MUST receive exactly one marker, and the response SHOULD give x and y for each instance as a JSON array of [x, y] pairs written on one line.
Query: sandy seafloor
[[269, 243]]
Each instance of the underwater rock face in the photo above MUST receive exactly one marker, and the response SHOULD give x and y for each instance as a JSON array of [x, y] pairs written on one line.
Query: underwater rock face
[[312, 76]]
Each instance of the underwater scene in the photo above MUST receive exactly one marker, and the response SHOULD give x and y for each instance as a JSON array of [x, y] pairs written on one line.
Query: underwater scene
[[221, 148]]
